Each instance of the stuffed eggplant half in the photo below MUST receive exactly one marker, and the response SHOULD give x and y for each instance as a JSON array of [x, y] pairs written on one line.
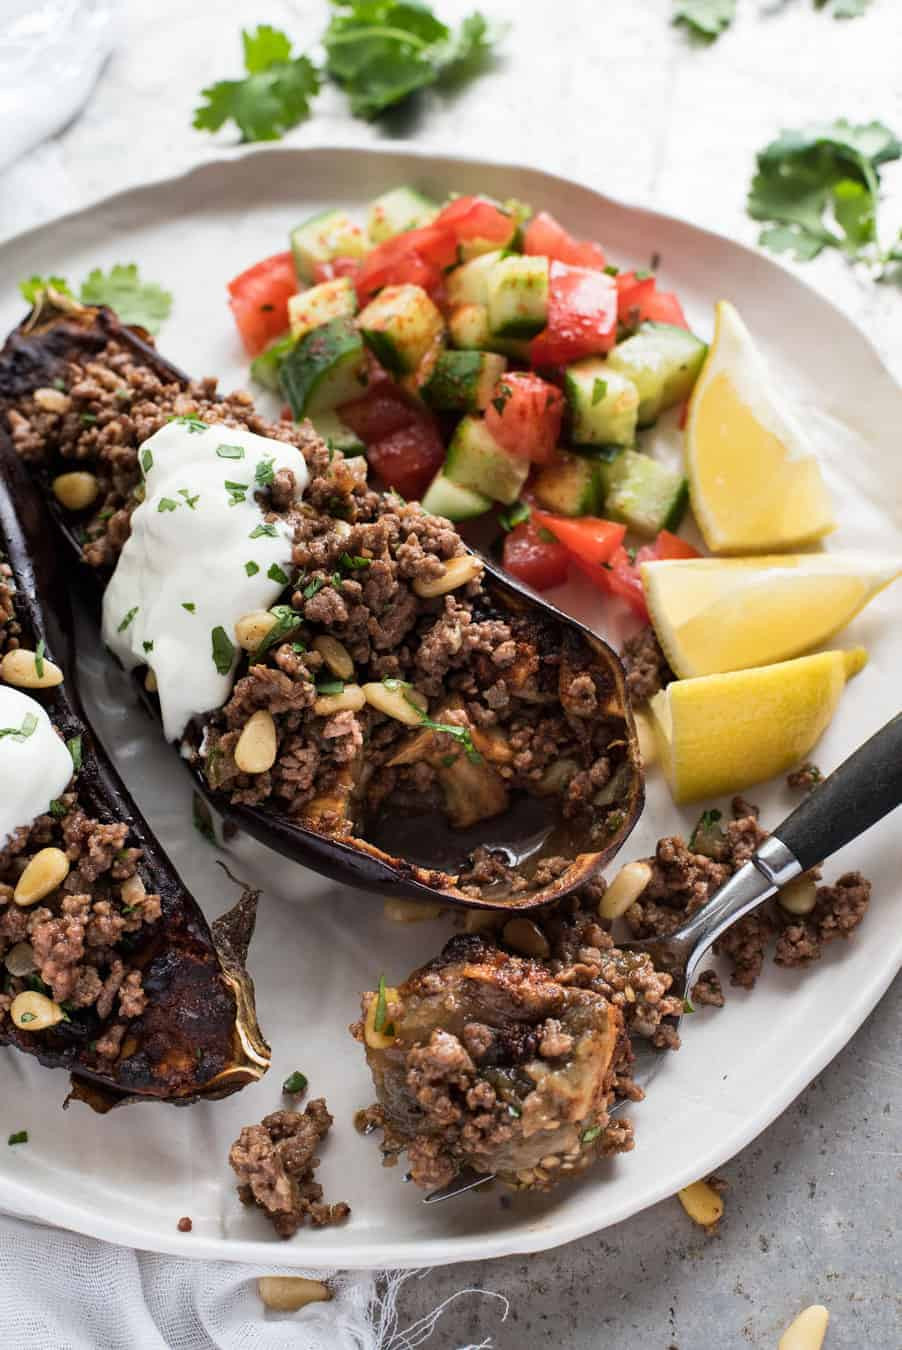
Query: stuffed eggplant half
[[508, 1064], [107, 966], [348, 681]]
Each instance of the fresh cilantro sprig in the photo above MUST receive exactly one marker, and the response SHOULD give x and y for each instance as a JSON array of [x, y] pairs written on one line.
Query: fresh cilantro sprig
[[135, 301], [460, 734], [705, 19], [819, 187], [378, 51], [274, 95]]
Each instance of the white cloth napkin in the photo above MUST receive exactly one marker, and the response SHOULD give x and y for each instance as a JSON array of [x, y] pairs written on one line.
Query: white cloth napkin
[[58, 1290]]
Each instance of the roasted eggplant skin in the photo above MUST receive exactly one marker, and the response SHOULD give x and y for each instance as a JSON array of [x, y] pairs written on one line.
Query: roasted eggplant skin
[[198, 1036], [34, 355]]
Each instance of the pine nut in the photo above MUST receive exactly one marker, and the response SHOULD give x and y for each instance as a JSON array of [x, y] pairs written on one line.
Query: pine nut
[[150, 682], [75, 490], [132, 890], [807, 1332], [624, 890], [352, 696], [257, 744], [289, 1293], [19, 960], [799, 896], [378, 1040], [35, 1012], [395, 701], [458, 571], [335, 654], [702, 1203], [410, 911], [52, 400], [251, 629], [20, 667], [45, 871], [645, 735], [525, 937]]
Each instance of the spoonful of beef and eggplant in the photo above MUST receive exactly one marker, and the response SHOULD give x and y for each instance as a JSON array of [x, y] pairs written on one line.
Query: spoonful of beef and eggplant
[[347, 680]]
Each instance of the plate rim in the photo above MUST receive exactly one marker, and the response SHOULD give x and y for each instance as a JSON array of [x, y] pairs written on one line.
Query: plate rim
[[20, 1198]]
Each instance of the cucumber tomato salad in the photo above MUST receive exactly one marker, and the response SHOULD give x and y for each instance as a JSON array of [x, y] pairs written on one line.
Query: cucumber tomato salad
[[484, 360]]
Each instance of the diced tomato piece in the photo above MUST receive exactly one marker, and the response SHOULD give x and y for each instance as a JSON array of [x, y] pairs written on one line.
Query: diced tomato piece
[[667, 546], [259, 300], [415, 257], [525, 414], [338, 267], [546, 238], [587, 539], [664, 307], [380, 413], [622, 575], [638, 299], [532, 556], [409, 458], [468, 218], [582, 316]]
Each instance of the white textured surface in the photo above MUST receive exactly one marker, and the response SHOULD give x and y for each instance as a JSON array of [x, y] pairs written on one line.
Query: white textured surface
[[608, 92]]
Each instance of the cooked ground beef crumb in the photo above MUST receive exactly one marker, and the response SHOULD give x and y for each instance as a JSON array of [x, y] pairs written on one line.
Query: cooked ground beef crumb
[[807, 777], [707, 991], [185, 1225], [838, 911], [275, 1165], [645, 664]]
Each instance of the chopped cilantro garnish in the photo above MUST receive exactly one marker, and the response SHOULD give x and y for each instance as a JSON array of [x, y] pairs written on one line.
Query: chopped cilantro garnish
[[687, 1006], [611, 270], [276, 574], [287, 619], [461, 734], [514, 515], [591, 1133], [146, 461], [135, 301], [58, 808], [223, 650], [20, 1136], [194, 424], [330, 686], [264, 473], [382, 1011], [295, 1083], [353, 562], [230, 451], [39, 659], [252, 568], [22, 733], [192, 501], [190, 606], [514, 1110], [166, 504], [237, 492], [88, 419], [267, 528], [313, 587], [127, 620], [74, 748]]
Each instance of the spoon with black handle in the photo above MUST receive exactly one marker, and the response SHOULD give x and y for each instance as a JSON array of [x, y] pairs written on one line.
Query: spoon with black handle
[[864, 789]]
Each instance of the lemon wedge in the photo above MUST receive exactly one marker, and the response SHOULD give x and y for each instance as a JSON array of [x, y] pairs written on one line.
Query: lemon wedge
[[755, 484], [721, 733], [717, 614]]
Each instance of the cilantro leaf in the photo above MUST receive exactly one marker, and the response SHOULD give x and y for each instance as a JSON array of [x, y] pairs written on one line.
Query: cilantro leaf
[[273, 97], [705, 19], [381, 51], [35, 284], [818, 188], [135, 301]]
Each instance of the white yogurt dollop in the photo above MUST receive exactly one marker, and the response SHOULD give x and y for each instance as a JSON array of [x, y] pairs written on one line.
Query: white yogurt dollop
[[35, 765], [200, 555]]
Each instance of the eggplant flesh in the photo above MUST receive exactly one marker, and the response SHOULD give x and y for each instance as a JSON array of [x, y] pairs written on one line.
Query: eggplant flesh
[[198, 1035], [36, 354]]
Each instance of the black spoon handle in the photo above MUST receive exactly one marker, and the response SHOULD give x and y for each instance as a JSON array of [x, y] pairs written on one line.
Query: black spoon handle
[[865, 788]]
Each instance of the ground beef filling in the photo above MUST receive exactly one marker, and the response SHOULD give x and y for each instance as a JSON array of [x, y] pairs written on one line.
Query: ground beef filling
[[275, 1164], [684, 876], [513, 1065], [647, 671], [74, 944], [511, 719]]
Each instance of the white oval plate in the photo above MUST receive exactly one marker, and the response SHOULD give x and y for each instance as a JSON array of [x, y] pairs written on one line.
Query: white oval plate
[[129, 1176]]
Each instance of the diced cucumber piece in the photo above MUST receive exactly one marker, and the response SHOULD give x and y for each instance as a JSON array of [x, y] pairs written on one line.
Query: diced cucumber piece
[[469, 283], [338, 435], [643, 493], [444, 498], [518, 296], [329, 300], [265, 367], [476, 247], [463, 381], [476, 460], [603, 404], [332, 234], [400, 326], [663, 362], [571, 486], [404, 208], [324, 369], [468, 329]]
